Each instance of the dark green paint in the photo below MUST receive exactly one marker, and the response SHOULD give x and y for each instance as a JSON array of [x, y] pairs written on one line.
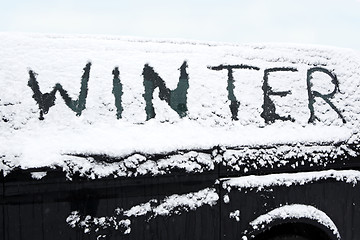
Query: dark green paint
[[176, 99], [269, 110], [325, 97], [234, 103], [47, 100], [118, 92]]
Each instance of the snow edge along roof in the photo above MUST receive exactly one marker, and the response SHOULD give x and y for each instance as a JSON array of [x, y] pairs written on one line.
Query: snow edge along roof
[[229, 96]]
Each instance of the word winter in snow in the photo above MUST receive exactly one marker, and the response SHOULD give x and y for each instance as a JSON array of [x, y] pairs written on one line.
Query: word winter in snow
[[177, 98]]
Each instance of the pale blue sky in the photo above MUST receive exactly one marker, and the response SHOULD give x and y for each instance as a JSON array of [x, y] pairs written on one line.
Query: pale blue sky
[[326, 22]]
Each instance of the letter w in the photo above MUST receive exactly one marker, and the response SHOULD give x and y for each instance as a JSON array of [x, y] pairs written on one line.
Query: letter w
[[47, 100], [176, 98]]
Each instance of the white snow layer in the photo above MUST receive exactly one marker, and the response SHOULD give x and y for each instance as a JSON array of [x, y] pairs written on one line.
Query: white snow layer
[[289, 179], [38, 175], [173, 204], [28, 142], [296, 211]]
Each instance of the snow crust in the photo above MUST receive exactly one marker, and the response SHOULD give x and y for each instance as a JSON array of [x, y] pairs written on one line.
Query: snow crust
[[68, 141], [290, 179], [296, 211]]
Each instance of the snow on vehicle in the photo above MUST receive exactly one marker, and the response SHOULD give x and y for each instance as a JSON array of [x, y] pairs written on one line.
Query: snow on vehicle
[[124, 138]]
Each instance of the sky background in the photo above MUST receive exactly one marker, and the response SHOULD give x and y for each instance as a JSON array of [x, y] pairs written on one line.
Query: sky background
[[325, 22]]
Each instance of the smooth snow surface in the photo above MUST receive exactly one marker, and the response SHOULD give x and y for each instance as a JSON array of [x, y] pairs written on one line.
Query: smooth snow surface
[[66, 140]]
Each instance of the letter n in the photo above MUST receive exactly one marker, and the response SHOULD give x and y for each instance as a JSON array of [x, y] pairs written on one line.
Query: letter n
[[176, 99]]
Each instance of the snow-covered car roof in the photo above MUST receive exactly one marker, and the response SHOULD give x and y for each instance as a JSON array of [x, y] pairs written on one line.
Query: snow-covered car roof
[[66, 98]]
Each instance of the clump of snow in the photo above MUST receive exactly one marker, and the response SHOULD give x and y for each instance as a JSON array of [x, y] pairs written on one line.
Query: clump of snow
[[296, 211], [290, 179], [191, 201], [247, 158], [235, 214], [173, 204], [38, 175], [226, 198], [95, 224], [28, 142]]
